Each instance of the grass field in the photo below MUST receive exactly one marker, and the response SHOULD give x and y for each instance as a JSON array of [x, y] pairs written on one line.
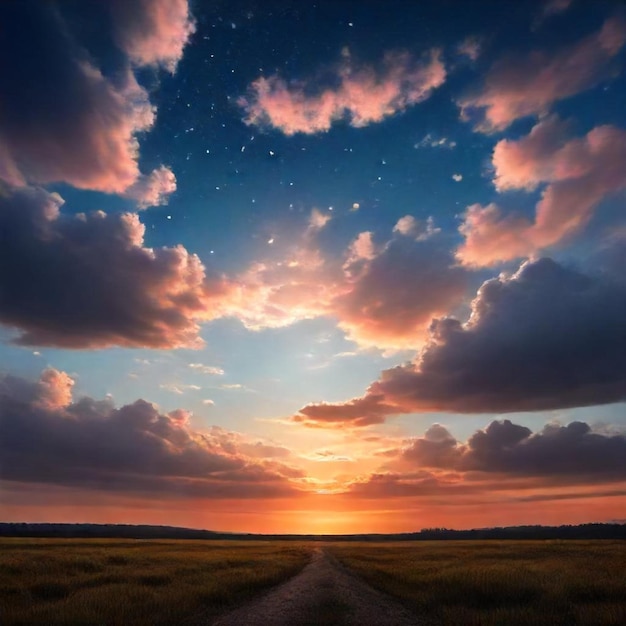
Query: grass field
[[149, 582], [508, 583], [122, 582]]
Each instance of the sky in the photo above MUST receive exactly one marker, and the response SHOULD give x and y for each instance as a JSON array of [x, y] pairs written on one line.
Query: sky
[[313, 267]]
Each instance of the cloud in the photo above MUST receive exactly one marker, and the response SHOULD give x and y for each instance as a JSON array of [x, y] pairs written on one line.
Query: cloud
[[547, 337], [153, 190], [579, 174], [517, 87], [69, 121], [362, 95], [358, 412], [504, 463], [211, 370], [470, 47], [505, 447], [550, 8], [49, 438], [88, 281], [420, 231], [318, 220], [430, 141], [392, 298], [152, 32], [457, 178], [179, 388], [412, 275]]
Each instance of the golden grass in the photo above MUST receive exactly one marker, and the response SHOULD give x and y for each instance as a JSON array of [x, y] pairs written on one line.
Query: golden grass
[[143, 582], [489, 583]]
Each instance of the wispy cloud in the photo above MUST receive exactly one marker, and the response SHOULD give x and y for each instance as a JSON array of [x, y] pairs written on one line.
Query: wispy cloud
[[521, 86], [470, 47], [211, 370], [179, 388]]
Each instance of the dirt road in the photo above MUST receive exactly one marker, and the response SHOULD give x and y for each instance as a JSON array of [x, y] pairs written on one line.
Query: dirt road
[[324, 592]]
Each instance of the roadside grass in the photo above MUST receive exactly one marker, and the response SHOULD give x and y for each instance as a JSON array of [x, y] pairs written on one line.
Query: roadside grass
[[494, 583], [141, 582]]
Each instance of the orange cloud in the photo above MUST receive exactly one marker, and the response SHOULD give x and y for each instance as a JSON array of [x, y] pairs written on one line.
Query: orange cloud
[[517, 87], [364, 95], [579, 174]]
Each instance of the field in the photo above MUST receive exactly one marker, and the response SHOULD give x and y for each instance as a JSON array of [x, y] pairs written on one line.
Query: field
[[120, 582], [512, 583], [156, 582]]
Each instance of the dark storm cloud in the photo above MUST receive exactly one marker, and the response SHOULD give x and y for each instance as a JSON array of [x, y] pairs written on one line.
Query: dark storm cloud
[[46, 437], [87, 281], [63, 118], [547, 337]]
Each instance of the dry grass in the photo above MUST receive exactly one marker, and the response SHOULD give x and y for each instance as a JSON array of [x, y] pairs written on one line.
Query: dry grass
[[529, 583], [121, 582]]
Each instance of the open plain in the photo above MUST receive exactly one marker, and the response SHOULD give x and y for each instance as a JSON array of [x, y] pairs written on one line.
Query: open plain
[[275, 583]]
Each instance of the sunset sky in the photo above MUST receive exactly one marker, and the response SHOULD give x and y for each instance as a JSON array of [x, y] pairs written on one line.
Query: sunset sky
[[287, 266]]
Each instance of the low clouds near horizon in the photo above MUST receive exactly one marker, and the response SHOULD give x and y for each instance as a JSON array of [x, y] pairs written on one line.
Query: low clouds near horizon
[[48, 437]]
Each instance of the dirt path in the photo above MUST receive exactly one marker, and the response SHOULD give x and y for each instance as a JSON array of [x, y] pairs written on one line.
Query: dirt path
[[323, 593]]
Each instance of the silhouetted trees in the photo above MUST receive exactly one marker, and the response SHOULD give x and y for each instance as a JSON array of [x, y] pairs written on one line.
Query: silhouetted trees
[[128, 531]]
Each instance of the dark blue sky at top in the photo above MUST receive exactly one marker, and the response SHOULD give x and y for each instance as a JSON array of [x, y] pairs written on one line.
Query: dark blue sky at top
[[232, 201]]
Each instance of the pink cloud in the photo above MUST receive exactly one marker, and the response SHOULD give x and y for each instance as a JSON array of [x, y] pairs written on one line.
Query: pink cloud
[[78, 124], [54, 389], [96, 146], [154, 189], [517, 87], [579, 174], [153, 32], [381, 295], [364, 94], [396, 293]]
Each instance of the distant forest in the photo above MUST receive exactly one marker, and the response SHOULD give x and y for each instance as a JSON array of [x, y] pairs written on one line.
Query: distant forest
[[127, 531]]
